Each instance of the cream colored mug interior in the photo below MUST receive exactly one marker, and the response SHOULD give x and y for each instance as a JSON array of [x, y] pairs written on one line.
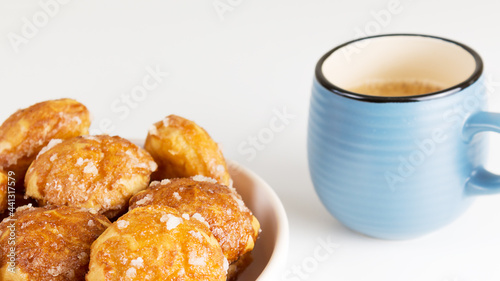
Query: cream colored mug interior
[[399, 58]]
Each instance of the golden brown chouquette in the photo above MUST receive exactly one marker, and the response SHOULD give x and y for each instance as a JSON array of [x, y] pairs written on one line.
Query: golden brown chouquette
[[28, 130], [183, 149], [96, 172], [231, 222], [156, 243]]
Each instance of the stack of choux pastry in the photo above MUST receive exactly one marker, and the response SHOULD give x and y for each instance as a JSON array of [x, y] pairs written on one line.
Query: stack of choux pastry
[[99, 207]]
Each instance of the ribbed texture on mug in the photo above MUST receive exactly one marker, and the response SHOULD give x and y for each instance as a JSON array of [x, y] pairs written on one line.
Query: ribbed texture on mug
[[391, 170]]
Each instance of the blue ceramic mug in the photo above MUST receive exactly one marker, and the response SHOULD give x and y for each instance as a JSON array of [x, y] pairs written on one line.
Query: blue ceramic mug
[[395, 164]]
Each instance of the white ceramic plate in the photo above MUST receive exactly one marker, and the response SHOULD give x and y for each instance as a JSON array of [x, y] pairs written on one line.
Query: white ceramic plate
[[271, 249]]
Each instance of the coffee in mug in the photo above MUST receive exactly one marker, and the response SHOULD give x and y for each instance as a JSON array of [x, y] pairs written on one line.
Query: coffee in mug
[[396, 88]]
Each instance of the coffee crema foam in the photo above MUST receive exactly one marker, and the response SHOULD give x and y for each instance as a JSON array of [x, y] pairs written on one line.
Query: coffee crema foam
[[396, 88]]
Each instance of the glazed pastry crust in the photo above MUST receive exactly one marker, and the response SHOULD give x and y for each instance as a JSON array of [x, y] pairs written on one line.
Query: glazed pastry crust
[[183, 149], [3, 191], [28, 130], [51, 243], [231, 222], [95, 172], [156, 243]]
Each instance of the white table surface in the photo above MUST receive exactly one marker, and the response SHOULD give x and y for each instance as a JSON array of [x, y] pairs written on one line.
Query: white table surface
[[231, 70]]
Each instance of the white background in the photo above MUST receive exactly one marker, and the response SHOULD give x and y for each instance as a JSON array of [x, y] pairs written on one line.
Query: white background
[[231, 71]]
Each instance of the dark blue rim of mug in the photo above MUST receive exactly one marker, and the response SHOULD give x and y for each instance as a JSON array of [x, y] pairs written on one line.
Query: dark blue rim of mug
[[446, 92]]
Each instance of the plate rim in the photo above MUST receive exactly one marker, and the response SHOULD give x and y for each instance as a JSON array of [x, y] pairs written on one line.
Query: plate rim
[[279, 255]]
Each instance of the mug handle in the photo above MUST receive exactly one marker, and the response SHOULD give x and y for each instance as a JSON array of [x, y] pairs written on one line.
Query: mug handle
[[481, 181]]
